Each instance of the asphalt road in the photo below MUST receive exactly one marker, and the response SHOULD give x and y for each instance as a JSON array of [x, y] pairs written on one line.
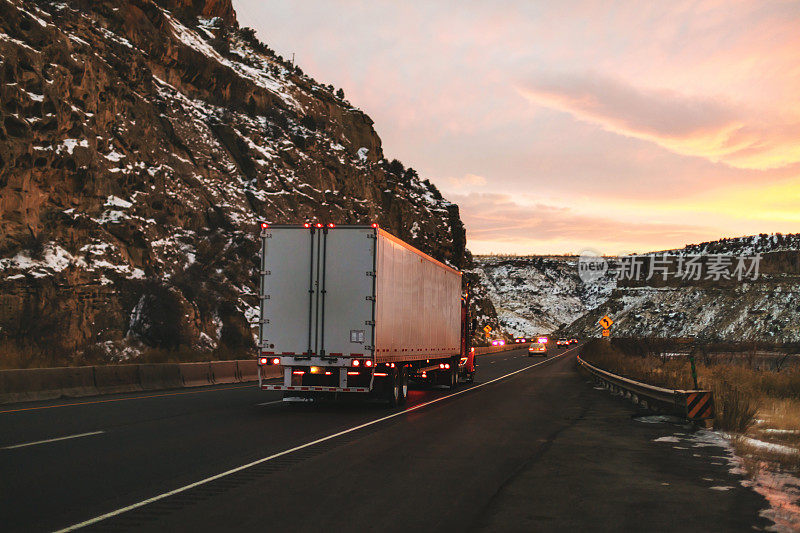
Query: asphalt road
[[527, 448]]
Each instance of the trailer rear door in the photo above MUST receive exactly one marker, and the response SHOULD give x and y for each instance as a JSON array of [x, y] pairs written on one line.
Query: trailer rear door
[[318, 291]]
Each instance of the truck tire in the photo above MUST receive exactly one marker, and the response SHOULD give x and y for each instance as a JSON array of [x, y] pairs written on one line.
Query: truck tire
[[393, 389], [403, 377], [453, 375]]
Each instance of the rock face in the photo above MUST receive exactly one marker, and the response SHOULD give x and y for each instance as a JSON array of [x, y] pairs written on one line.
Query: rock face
[[534, 295], [538, 294], [141, 143]]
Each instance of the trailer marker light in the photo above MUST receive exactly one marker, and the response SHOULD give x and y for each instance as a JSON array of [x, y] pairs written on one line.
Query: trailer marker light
[[368, 363], [381, 374], [327, 373], [314, 370], [276, 361], [298, 372], [353, 373], [355, 362]]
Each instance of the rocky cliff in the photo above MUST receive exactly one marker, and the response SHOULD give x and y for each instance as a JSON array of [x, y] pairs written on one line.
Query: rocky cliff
[[142, 142], [539, 294]]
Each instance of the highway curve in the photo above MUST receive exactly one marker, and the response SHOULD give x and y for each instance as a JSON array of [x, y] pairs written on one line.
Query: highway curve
[[539, 449]]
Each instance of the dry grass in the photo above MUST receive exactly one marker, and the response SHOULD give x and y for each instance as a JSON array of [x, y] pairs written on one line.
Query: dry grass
[[742, 396]]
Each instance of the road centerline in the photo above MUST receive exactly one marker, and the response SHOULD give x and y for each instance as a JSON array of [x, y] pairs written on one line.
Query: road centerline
[[56, 439]]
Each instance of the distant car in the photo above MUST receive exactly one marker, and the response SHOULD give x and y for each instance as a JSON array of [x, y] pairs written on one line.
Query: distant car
[[573, 341], [562, 342], [537, 348]]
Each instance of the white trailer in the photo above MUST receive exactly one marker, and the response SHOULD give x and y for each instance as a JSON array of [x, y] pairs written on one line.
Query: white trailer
[[353, 309]]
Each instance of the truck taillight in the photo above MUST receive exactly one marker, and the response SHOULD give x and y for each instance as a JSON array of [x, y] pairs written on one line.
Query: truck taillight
[[331, 225], [306, 225], [355, 362], [368, 363], [375, 225], [276, 361], [264, 225], [263, 361]]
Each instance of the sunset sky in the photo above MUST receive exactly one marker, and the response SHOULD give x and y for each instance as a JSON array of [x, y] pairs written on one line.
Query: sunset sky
[[564, 126]]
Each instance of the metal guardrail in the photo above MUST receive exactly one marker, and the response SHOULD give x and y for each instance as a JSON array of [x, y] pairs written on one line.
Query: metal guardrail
[[690, 404]]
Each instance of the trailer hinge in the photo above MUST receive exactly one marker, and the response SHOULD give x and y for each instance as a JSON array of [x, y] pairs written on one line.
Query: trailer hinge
[[264, 296], [268, 235], [370, 348], [371, 236], [264, 321], [369, 323], [371, 273], [265, 272], [371, 298]]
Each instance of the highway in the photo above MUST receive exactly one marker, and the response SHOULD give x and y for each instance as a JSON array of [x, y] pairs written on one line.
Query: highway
[[530, 446]]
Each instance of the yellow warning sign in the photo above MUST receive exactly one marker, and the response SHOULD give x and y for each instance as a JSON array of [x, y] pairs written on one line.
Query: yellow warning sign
[[606, 333], [487, 328], [606, 322]]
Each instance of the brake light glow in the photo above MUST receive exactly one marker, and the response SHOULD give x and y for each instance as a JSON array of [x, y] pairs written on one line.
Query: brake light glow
[[331, 225], [353, 373], [381, 374], [447, 366], [314, 369], [263, 361], [276, 361], [355, 362], [424, 374], [298, 372], [264, 225], [375, 225], [368, 363], [318, 224], [441, 365], [306, 225]]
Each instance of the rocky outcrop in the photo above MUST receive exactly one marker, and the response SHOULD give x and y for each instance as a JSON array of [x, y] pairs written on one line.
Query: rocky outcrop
[[142, 143]]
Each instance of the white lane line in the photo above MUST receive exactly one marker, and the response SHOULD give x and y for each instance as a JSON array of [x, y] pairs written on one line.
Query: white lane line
[[79, 435], [148, 501], [268, 403]]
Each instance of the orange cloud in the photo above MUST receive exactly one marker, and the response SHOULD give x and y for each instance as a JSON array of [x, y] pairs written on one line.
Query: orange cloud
[[703, 127]]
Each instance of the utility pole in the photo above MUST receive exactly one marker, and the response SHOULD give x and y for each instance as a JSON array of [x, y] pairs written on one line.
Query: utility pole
[[292, 59]]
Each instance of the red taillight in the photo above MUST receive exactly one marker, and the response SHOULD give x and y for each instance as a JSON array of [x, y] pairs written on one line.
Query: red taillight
[[355, 362], [447, 366], [424, 374], [331, 225], [472, 350], [298, 372], [353, 374], [319, 225], [264, 225], [441, 365], [306, 225], [381, 374], [368, 363], [263, 361], [375, 225], [276, 361]]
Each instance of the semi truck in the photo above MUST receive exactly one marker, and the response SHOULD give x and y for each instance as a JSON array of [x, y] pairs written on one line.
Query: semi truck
[[354, 310]]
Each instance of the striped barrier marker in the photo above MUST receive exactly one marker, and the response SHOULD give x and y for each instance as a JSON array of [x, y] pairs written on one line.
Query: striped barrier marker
[[699, 405]]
